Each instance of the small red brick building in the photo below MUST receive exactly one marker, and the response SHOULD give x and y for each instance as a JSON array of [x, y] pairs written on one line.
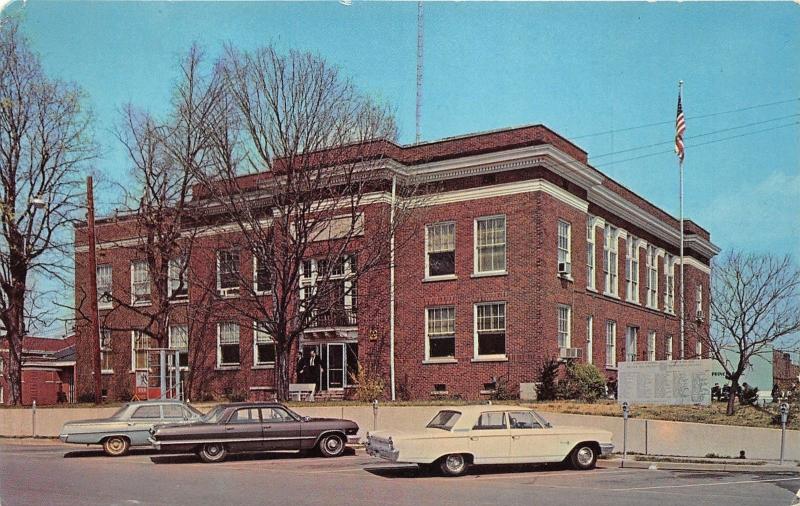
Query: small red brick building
[[522, 252], [48, 371]]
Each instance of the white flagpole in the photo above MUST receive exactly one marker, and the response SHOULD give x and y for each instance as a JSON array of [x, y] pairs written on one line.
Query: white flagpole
[[683, 316]]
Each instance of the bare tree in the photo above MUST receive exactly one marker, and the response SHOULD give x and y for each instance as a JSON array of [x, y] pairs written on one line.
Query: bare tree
[[298, 160], [44, 145], [755, 302]]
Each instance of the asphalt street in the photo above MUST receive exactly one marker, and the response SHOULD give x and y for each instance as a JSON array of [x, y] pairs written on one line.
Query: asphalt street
[[45, 474]]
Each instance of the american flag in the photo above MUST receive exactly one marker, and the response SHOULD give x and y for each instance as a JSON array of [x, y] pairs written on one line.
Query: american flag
[[680, 127]]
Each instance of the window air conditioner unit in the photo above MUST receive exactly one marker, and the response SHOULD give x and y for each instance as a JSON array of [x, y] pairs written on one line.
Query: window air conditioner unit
[[228, 292], [569, 352], [564, 268], [700, 316]]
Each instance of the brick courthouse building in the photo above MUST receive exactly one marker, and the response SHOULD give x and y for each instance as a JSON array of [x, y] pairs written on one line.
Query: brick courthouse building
[[523, 252]]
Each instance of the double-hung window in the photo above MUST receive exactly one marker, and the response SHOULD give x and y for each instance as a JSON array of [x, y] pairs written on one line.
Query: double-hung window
[[263, 347], [490, 330], [140, 282], [179, 340], [228, 272], [632, 270], [262, 280], [564, 326], [698, 298], [652, 277], [610, 264], [227, 344], [178, 287], [589, 339], [698, 348], [440, 331], [651, 345], [440, 243], [106, 356], [630, 344], [669, 289], [104, 290], [611, 343], [564, 247], [668, 346], [140, 344], [590, 281], [490, 245]]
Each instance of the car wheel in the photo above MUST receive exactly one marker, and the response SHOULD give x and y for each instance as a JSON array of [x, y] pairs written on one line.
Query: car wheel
[[212, 452], [584, 457], [453, 465], [331, 446], [116, 446]]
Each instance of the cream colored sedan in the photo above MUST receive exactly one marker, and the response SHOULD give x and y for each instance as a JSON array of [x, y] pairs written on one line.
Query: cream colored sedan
[[457, 437]]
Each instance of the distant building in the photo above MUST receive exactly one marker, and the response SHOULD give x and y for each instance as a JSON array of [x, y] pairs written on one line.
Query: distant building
[[771, 367], [48, 371], [524, 252]]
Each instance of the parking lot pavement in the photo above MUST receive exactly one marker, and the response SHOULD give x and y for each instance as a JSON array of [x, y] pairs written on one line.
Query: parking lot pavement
[[61, 474]]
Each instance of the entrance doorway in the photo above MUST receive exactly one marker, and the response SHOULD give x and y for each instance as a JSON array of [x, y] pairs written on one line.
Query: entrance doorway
[[339, 361]]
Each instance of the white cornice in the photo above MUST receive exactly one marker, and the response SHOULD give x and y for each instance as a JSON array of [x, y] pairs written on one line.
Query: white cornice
[[499, 190], [693, 262]]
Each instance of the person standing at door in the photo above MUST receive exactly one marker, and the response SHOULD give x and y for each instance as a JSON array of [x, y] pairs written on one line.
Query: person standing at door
[[314, 368], [301, 370]]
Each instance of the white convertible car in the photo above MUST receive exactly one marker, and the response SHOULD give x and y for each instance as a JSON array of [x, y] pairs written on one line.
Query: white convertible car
[[490, 434]]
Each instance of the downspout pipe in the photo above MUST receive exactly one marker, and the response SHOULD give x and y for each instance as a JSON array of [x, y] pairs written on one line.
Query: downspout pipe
[[391, 288]]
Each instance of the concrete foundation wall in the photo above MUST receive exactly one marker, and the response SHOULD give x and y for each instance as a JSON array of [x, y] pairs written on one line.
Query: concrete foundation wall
[[654, 437]]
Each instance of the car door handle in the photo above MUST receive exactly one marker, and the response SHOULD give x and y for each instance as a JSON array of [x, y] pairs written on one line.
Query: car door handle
[[266, 426], [131, 424], [514, 437], [473, 438], [229, 428]]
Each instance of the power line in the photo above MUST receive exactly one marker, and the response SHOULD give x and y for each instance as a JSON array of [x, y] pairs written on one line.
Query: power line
[[705, 134], [659, 123], [704, 143]]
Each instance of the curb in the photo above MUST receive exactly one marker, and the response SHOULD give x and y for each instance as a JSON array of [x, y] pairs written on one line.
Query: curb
[[697, 466]]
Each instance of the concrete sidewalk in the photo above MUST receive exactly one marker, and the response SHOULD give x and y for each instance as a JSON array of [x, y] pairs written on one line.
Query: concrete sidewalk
[[726, 465]]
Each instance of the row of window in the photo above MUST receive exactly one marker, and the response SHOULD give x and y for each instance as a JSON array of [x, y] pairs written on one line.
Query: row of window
[[490, 258], [490, 336], [228, 347]]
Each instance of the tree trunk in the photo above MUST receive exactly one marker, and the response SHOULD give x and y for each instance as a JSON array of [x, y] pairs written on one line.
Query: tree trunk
[[732, 397], [282, 373]]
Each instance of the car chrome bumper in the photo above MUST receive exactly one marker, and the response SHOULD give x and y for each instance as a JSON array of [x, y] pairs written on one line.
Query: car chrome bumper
[[390, 455], [606, 449], [155, 444], [353, 440], [63, 437]]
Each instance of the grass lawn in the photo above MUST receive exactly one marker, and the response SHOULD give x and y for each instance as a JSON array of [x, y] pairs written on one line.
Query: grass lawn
[[748, 416]]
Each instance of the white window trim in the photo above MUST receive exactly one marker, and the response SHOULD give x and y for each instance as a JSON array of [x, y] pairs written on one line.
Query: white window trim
[[568, 337], [225, 292], [652, 277], [169, 340], [611, 341], [143, 302], [651, 346], [255, 279], [568, 254], [698, 349], [133, 349], [428, 358], [493, 357], [170, 269], [669, 284], [698, 293], [629, 341], [256, 364], [230, 366], [611, 278], [631, 274], [589, 339], [440, 277], [109, 349], [109, 304], [475, 271], [668, 348], [591, 238]]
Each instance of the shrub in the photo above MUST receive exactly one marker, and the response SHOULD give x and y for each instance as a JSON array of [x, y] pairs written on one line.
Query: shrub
[[236, 395], [368, 386], [502, 392], [583, 382], [546, 390], [748, 395], [86, 397]]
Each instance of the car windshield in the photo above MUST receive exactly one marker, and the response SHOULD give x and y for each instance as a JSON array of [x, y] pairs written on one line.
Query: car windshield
[[542, 419], [444, 420], [194, 411], [214, 416]]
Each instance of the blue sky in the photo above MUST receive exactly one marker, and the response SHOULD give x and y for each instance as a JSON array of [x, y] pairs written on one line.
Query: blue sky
[[579, 68]]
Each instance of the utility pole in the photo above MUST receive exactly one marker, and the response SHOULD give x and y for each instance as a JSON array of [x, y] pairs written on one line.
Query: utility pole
[[420, 52], [94, 317]]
